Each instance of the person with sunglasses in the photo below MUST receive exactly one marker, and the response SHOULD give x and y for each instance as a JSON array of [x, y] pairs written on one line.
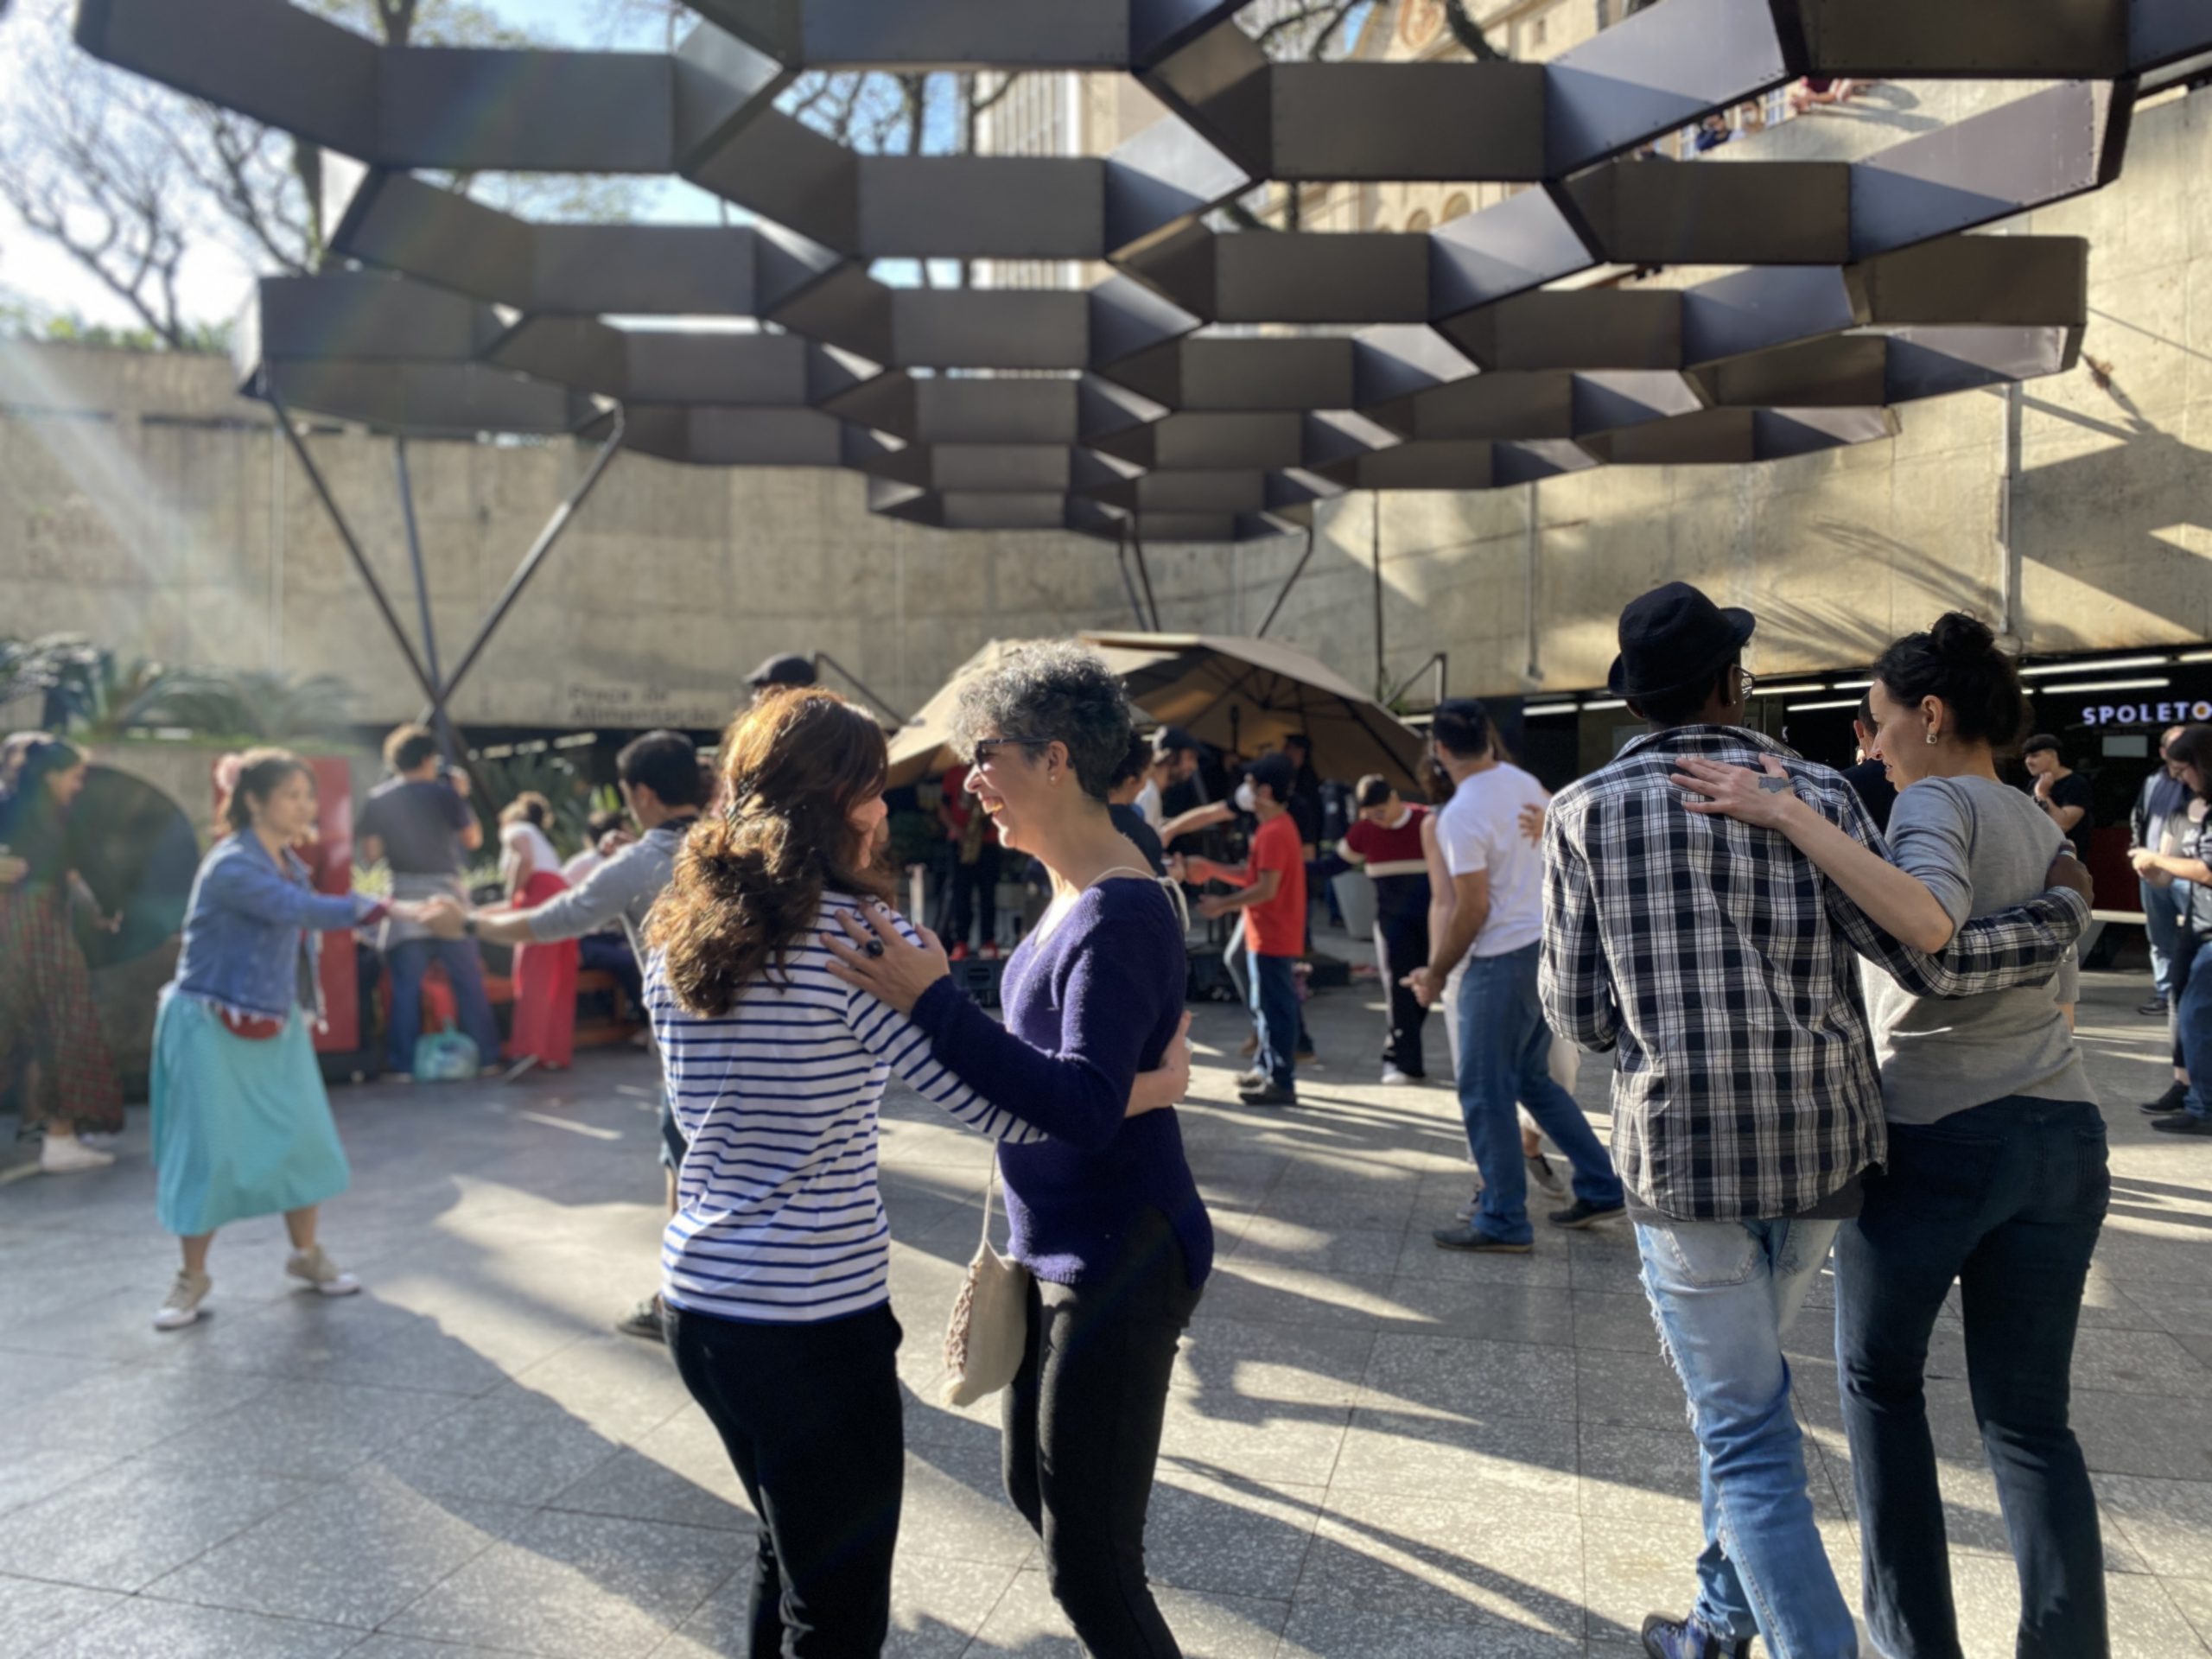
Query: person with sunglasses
[[1105, 1216]]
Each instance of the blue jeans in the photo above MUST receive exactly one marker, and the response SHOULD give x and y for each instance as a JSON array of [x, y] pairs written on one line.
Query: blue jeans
[[2008, 1199], [2162, 913], [2192, 1019], [1724, 1291], [1506, 1056], [1274, 1013], [407, 963]]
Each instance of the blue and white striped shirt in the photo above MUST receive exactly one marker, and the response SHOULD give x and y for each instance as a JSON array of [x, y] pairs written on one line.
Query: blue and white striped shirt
[[779, 1219]]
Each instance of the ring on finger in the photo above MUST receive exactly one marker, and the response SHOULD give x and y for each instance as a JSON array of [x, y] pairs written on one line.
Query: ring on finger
[[873, 948]]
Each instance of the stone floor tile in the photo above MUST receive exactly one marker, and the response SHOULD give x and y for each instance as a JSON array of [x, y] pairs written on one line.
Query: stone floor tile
[[1274, 1442], [122, 1528], [1450, 1561], [313, 1431], [2168, 1522], [505, 1449], [141, 1628], [1477, 1305], [579, 1585], [122, 1410], [366, 1340], [2138, 1362], [2144, 1621], [679, 1474], [1548, 1266], [621, 1386], [1621, 1323], [1276, 1295], [1269, 1241], [1206, 1626], [956, 1507], [1469, 1378], [2193, 1598], [1320, 1366], [2144, 1434], [1628, 1390], [1228, 1535], [27, 1475], [1510, 1461], [1369, 1206], [34, 1614], [353, 1553], [1324, 1631]]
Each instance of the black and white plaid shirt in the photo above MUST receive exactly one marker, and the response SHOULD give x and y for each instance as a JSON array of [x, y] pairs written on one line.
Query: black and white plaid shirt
[[1716, 960]]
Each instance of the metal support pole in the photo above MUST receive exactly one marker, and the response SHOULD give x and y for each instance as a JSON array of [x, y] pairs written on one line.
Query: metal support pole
[[823, 659], [535, 556], [1296, 571], [440, 722], [1129, 585], [353, 547], [1534, 671], [1375, 537], [1144, 574], [2009, 574]]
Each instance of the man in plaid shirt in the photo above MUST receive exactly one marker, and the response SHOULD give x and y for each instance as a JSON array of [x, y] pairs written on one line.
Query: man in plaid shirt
[[1717, 964]]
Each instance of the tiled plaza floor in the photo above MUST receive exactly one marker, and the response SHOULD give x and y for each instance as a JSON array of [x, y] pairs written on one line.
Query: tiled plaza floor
[[1374, 1448]]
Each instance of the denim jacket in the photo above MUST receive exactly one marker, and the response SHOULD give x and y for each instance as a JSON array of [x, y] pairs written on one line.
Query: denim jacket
[[249, 943]]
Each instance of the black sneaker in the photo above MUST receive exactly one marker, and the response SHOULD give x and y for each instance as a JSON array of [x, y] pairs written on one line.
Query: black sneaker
[[2182, 1124], [2172, 1101], [2156, 1008], [1268, 1094], [1472, 1239], [1666, 1637], [1582, 1213]]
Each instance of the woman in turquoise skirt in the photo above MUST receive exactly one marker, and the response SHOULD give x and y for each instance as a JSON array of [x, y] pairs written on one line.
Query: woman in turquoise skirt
[[242, 1126]]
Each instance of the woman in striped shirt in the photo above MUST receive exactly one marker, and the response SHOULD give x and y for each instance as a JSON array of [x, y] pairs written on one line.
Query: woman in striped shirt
[[776, 1266]]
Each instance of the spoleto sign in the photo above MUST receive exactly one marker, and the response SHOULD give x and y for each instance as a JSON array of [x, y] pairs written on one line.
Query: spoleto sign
[[2145, 713]]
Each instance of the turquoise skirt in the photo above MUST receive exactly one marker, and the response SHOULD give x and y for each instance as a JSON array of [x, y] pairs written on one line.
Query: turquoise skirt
[[240, 1128]]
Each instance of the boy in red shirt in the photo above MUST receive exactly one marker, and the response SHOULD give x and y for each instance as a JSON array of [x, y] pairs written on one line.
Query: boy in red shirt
[[1273, 878]]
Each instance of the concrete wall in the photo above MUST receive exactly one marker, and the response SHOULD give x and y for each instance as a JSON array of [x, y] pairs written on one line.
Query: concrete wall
[[141, 502]]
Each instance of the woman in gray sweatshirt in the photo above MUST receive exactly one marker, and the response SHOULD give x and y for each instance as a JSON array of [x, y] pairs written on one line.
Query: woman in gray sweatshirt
[[1996, 1174]]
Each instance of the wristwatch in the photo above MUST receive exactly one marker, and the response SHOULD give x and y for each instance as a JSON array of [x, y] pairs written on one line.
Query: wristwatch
[[469, 924]]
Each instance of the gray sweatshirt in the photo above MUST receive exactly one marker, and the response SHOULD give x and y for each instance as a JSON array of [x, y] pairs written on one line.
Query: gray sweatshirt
[[1979, 848]]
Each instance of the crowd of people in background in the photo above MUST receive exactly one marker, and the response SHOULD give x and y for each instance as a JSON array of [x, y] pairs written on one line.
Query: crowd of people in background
[[1840, 1005]]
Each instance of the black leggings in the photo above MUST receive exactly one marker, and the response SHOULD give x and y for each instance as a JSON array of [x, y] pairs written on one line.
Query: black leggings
[[1082, 1423], [811, 1414]]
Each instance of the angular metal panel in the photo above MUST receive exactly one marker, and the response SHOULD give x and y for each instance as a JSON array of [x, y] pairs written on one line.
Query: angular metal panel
[[1523, 242], [1973, 40], [1352, 276], [1845, 370], [478, 109], [403, 225], [982, 207], [990, 329], [1661, 212], [1507, 404], [658, 270], [1585, 329], [1406, 121], [1655, 71], [785, 170], [1753, 309]]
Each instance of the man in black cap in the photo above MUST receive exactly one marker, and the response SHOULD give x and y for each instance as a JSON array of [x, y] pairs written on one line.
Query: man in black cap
[[787, 668], [1718, 961]]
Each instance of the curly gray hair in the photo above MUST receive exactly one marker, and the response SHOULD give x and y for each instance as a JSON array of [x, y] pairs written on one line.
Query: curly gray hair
[[1051, 689]]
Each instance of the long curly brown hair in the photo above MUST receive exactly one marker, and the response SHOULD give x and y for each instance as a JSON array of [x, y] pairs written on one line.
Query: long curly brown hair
[[750, 879]]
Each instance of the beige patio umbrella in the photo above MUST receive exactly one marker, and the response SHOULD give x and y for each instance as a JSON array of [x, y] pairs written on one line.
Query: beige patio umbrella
[[1248, 694], [923, 746]]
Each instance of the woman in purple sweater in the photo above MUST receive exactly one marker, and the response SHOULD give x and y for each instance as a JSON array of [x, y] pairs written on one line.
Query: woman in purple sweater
[[1105, 1214]]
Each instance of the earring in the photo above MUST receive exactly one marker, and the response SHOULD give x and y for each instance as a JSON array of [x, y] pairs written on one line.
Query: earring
[[1931, 734]]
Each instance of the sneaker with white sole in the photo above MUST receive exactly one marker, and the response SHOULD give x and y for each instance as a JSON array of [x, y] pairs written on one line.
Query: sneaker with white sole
[[316, 1268], [181, 1305], [1392, 1077], [65, 1154], [1543, 1175], [1468, 1211]]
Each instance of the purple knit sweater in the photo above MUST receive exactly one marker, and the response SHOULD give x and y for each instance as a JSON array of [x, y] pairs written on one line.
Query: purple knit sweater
[[1086, 1010]]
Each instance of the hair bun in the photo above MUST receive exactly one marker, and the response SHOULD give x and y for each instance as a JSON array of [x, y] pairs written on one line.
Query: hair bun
[[1960, 638]]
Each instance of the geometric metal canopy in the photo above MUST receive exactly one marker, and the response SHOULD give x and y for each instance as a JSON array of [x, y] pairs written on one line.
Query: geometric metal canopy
[[1448, 359]]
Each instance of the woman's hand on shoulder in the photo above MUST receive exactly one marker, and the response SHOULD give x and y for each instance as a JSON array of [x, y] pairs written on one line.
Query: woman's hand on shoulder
[[1763, 798], [1171, 1082], [869, 951]]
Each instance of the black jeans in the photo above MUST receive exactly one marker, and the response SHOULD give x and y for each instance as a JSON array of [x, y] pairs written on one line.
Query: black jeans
[[1083, 1423], [811, 1417], [1401, 946], [2008, 1198]]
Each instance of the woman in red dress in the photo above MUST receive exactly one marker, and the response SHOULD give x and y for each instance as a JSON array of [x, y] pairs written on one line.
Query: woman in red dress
[[544, 1029]]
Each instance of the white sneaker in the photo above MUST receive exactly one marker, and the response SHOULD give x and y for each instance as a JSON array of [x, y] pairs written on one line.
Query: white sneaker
[[65, 1154], [1392, 1077], [1474, 1204], [181, 1305], [1541, 1174], [316, 1268]]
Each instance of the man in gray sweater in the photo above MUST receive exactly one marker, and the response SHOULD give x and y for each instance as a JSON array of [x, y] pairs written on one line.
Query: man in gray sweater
[[664, 789]]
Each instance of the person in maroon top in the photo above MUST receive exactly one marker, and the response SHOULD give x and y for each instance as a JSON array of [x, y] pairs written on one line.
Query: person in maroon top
[[1273, 879], [1384, 839], [973, 844]]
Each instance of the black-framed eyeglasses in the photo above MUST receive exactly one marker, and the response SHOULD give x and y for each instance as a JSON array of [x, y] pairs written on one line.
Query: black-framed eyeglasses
[[1747, 683], [988, 749]]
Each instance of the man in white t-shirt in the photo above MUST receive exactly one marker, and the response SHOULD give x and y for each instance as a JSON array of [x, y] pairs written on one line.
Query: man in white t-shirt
[[1496, 926]]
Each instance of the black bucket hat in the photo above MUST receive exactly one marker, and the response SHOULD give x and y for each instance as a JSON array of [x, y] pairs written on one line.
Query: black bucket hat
[[1673, 636]]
